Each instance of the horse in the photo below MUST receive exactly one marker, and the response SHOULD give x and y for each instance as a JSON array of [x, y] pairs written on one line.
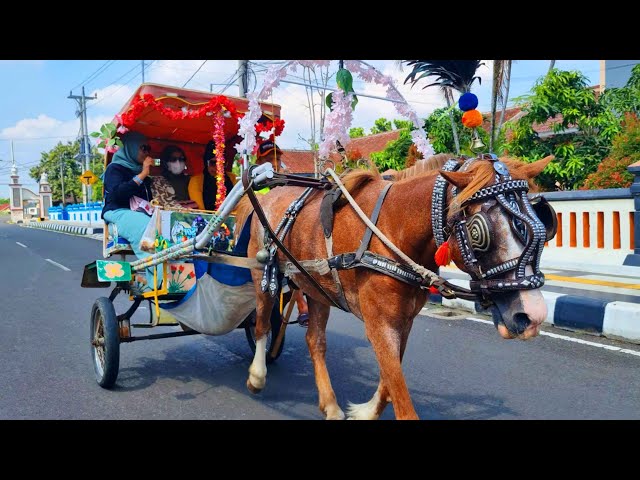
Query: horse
[[386, 305]]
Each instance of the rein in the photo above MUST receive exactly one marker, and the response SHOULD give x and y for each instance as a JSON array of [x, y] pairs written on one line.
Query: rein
[[307, 182]]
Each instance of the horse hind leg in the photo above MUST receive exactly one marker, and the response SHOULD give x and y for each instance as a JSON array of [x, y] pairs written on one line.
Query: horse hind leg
[[372, 409], [258, 369], [317, 343], [386, 336]]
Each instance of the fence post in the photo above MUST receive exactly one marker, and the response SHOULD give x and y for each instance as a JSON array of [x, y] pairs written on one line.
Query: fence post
[[633, 259]]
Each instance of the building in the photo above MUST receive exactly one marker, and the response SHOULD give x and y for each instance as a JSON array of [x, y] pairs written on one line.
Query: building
[[302, 161], [25, 204], [615, 73]]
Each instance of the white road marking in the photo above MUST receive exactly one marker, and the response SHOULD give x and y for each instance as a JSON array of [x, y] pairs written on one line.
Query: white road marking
[[571, 339], [22, 245], [58, 265]]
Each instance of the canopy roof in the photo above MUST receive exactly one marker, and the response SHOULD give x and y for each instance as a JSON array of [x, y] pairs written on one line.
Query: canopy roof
[[189, 134], [156, 126]]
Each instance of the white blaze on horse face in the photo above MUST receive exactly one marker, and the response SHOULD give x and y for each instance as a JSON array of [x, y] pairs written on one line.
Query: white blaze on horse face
[[533, 303]]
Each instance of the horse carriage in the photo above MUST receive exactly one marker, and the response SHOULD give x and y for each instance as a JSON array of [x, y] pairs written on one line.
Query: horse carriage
[[366, 243], [207, 290]]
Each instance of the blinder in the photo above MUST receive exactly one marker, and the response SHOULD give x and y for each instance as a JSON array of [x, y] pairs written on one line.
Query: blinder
[[546, 214], [478, 230]]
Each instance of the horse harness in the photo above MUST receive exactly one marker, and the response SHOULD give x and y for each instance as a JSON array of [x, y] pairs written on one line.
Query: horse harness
[[474, 235], [471, 235]]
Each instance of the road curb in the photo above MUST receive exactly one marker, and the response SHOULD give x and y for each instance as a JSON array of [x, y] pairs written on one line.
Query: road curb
[[620, 320], [59, 227]]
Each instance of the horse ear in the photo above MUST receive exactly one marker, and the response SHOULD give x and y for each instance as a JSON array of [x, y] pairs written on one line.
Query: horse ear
[[459, 179], [532, 170]]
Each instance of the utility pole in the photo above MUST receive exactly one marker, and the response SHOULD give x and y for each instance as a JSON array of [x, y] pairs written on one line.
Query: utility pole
[[62, 169], [242, 77], [142, 71], [82, 113]]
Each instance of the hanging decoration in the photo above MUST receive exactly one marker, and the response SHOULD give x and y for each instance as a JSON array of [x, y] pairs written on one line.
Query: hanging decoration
[[339, 119], [456, 74], [272, 128]]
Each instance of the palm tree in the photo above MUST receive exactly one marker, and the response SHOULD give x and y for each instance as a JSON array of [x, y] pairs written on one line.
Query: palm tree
[[499, 94], [451, 74]]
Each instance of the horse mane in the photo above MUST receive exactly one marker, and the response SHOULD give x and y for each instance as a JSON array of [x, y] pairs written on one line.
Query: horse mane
[[356, 180], [429, 164], [484, 175]]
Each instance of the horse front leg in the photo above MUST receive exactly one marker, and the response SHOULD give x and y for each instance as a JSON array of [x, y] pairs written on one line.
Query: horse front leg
[[258, 369], [372, 409], [317, 343]]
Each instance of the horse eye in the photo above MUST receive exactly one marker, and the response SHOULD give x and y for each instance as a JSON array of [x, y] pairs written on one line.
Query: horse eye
[[520, 229]]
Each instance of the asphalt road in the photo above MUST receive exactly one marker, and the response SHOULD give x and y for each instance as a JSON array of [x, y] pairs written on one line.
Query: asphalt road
[[455, 369]]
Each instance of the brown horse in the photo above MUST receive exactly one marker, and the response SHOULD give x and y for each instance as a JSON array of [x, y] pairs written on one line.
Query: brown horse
[[386, 305]]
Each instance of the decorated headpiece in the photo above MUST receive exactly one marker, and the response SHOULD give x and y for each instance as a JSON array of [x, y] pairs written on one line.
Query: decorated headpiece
[[458, 75], [273, 128]]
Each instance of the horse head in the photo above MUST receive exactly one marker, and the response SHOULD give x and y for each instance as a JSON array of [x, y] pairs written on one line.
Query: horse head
[[496, 235]]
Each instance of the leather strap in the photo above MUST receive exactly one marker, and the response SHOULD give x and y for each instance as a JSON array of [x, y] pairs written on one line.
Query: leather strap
[[374, 219], [246, 183]]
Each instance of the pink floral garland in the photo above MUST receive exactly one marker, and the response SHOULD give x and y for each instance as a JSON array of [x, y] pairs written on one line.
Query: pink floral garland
[[339, 120]]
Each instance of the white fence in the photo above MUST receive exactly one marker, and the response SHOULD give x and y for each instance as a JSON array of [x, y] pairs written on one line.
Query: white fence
[[594, 227]]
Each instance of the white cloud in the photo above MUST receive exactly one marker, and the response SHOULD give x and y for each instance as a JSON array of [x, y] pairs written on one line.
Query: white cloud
[[111, 98]]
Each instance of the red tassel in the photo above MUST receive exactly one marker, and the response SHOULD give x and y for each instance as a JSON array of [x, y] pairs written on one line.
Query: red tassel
[[443, 255], [433, 290]]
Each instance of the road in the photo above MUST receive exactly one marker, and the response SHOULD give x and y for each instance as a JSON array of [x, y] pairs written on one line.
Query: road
[[455, 368]]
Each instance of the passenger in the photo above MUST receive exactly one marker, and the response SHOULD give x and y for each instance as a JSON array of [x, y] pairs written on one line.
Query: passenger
[[127, 177], [171, 189], [203, 187]]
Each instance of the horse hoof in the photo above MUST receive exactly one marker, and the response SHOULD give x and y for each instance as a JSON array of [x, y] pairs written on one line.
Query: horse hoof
[[335, 414], [251, 388]]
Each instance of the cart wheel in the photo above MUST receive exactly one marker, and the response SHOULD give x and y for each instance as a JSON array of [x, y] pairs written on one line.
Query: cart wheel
[[276, 322], [105, 342]]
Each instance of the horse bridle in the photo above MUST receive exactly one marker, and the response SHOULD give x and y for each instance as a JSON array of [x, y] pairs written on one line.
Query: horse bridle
[[474, 234]]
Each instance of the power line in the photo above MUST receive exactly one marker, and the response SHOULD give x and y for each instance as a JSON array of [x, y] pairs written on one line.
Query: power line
[[95, 74], [114, 82], [194, 73]]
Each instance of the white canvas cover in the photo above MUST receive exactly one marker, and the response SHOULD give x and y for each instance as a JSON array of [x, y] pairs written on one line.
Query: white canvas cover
[[215, 308]]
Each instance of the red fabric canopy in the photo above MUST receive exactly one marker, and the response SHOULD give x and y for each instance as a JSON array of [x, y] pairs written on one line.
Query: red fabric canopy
[[189, 134]]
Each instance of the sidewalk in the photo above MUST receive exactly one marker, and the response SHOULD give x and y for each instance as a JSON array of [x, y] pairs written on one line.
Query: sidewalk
[[66, 226], [598, 299]]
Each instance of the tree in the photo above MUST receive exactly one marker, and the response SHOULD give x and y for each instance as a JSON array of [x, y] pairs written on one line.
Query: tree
[[3, 201], [441, 135], [394, 156], [612, 171], [408, 124], [381, 125], [62, 157], [565, 97], [356, 132]]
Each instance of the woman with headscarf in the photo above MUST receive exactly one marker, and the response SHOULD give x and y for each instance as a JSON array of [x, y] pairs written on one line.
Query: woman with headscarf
[[203, 188], [171, 189], [127, 176]]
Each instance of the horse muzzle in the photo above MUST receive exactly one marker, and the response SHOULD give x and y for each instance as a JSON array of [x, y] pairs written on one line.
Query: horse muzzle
[[519, 314]]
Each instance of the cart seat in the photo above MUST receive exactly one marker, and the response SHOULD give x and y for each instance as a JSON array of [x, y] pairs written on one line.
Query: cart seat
[[112, 243]]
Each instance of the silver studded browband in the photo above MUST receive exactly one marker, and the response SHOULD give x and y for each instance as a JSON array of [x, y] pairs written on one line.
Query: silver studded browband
[[439, 202]]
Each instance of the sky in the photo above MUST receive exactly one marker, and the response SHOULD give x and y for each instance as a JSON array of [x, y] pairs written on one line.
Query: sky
[[36, 113]]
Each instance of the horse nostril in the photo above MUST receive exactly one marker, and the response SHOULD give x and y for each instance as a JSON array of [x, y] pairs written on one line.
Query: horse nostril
[[521, 321]]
